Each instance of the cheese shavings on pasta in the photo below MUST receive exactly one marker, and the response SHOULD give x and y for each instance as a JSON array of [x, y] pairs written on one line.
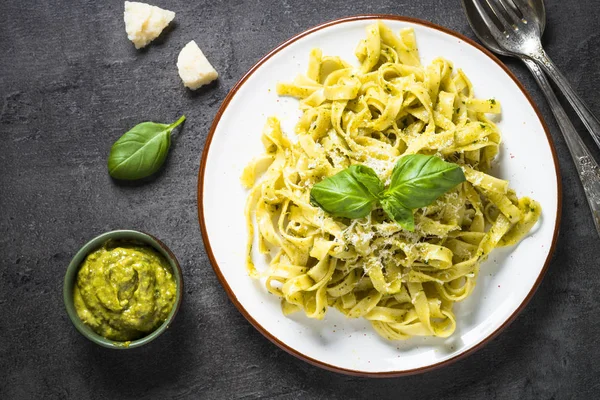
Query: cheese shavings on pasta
[[404, 283]]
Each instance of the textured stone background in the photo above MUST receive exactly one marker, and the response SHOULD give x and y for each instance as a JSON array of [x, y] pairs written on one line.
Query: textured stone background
[[71, 83]]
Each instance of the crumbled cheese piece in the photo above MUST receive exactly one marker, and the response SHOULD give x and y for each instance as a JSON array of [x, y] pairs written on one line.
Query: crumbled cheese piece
[[309, 183], [477, 181], [194, 68], [448, 143], [144, 22], [337, 158], [381, 167]]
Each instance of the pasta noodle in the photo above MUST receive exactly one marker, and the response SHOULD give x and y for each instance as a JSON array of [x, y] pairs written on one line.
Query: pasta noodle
[[404, 283]]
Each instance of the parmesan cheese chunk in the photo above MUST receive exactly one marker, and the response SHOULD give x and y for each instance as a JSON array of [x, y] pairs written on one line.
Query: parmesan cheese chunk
[[194, 68], [144, 22]]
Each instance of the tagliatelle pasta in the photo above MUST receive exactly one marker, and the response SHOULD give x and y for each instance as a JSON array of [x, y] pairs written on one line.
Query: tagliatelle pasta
[[405, 283]]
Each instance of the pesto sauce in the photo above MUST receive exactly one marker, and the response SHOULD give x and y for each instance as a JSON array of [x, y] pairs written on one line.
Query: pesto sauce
[[125, 291]]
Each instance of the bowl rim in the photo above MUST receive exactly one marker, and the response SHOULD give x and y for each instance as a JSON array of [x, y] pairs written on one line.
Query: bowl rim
[[93, 244], [231, 294]]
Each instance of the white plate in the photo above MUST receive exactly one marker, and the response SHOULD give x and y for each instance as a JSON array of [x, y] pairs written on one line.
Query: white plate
[[507, 279]]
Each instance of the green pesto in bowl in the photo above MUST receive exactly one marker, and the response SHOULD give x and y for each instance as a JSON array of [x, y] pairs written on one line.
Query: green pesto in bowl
[[122, 289]]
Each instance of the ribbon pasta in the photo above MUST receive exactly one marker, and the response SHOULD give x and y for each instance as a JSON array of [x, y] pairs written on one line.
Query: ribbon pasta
[[404, 283]]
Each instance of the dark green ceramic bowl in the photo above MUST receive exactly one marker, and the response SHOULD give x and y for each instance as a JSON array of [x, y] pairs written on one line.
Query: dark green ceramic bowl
[[71, 277]]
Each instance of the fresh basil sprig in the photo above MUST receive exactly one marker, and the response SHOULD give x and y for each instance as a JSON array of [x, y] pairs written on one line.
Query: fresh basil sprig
[[417, 181], [141, 151]]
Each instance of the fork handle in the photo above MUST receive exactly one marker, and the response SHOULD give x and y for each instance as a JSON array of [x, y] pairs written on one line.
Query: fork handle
[[589, 172], [589, 120]]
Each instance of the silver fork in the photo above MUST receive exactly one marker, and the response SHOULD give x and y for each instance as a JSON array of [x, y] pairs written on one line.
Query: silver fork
[[520, 35], [484, 27]]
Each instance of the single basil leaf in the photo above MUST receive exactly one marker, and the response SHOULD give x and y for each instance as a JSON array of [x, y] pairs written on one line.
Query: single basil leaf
[[398, 212], [418, 180], [141, 151], [350, 193]]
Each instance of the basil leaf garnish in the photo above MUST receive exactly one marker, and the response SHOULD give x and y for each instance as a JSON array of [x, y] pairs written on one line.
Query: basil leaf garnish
[[398, 212], [418, 180], [350, 193], [141, 151]]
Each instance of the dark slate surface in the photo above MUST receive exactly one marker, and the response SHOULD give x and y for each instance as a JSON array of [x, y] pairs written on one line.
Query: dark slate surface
[[71, 83]]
